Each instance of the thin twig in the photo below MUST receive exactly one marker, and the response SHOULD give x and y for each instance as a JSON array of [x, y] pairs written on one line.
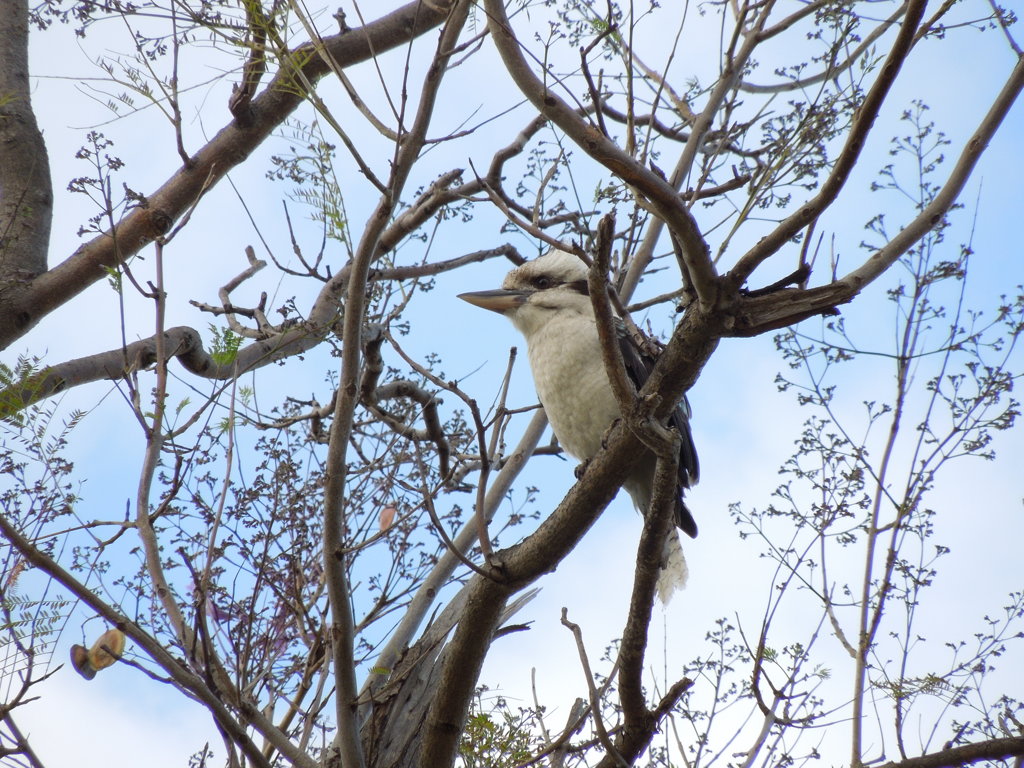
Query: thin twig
[[595, 701]]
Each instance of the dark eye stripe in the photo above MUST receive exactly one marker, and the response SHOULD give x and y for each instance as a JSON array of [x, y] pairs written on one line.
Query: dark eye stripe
[[580, 286], [544, 282]]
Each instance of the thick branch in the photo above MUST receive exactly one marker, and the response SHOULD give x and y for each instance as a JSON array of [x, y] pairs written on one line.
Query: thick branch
[[658, 526], [26, 197], [994, 749], [181, 342], [392, 729], [597, 280], [540, 553], [230, 147], [756, 314], [634, 741]]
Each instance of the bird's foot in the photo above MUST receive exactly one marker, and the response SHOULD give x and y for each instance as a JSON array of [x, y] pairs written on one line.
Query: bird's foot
[[581, 469], [608, 432]]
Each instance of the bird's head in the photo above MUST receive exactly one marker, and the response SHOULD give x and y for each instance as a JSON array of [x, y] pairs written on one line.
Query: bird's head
[[534, 292]]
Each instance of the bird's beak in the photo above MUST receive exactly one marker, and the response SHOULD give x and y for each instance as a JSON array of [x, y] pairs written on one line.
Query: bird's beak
[[500, 301]]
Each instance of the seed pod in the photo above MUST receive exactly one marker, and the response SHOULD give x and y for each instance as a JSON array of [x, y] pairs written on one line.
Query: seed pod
[[80, 661], [107, 649], [104, 652]]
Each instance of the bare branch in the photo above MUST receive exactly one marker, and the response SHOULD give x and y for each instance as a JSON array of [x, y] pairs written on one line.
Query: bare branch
[[597, 281], [658, 526], [754, 314], [181, 675], [994, 749], [662, 196], [436, 268], [834, 68], [503, 204], [428, 591], [229, 310], [595, 702], [932, 213], [371, 394], [23, 747], [210, 164], [347, 739], [181, 342], [844, 164]]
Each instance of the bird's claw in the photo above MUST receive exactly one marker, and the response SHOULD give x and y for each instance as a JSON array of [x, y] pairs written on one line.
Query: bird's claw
[[581, 469], [608, 432]]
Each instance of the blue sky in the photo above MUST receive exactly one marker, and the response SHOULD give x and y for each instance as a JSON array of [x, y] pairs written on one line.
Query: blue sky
[[744, 428]]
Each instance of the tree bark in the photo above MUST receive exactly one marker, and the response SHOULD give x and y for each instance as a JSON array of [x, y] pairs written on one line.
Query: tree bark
[[26, 194]]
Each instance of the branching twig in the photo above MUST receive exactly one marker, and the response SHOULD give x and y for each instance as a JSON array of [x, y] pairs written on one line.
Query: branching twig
[[211, 163], [347, 738], [836, 180], [371, 394], [264, 329], [182, 676], [595, 702], [663, 197]]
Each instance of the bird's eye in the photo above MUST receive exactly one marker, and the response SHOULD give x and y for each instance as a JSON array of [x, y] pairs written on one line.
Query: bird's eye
[[542, 282]]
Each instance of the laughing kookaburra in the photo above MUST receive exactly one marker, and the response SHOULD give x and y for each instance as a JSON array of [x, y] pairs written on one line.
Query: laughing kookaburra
[[548, 301]]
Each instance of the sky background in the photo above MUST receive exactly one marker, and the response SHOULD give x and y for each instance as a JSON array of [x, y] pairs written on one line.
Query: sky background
[[744, 428]]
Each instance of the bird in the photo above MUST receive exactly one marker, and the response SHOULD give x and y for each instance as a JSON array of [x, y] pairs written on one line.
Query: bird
[[548, 301]]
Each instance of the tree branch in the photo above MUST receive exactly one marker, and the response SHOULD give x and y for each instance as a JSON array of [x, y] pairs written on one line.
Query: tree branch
[[755, 314], [831, 70], [658, 526], [597, 282], [663, 197], [26, 194], [347, 738], [932, 214], [181, 342], [426, 595], [994, 749], [595, 698], [847, 159], [230, 147], [182, 676]]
